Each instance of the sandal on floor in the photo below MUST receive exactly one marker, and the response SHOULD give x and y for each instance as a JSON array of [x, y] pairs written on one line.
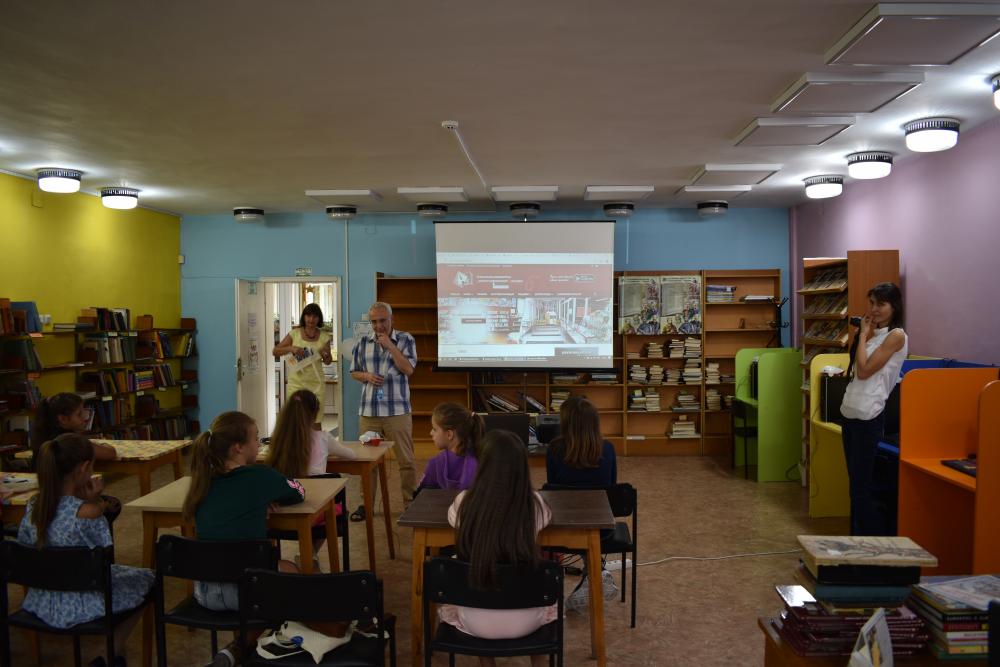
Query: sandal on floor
[[358, 514]]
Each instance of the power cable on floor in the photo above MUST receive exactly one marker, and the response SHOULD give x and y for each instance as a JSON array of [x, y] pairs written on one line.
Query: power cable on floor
[[748, 555]]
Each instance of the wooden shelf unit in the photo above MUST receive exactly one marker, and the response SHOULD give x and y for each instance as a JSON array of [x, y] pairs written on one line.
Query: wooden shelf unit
[[863, 269], [414, 302], [950, 413]]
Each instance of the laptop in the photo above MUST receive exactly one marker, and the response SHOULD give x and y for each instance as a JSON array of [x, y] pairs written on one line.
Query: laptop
[[515, 422]]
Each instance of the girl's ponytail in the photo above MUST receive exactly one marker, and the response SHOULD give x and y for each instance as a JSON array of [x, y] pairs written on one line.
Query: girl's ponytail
[[209, 454], [56, 459]]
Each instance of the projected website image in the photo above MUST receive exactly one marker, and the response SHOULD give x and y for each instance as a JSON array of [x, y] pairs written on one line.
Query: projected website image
[[520, 329]]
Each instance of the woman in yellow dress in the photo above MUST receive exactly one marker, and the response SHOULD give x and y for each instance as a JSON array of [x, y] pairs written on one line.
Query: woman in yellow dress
[[310, 346]]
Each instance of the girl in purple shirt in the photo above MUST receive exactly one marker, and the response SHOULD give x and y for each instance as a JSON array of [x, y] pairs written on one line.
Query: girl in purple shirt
[[456, 432]]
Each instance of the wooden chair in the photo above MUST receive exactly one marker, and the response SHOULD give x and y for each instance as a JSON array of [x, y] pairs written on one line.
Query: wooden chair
[[195, 560], [277, 597], [446, 581], [64, 569]]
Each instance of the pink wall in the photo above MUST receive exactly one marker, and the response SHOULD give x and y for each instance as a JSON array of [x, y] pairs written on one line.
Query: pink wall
[[942, 211]]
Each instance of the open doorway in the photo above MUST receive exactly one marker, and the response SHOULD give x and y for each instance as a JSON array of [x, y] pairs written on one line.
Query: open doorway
[[283, 300]]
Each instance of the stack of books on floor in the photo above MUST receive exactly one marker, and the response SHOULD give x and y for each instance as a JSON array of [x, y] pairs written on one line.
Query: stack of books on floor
[[720, 293], [604, 378], [713, 399], [655, 374], [637, 374], [636, 401], [842, 581], [692, 348], [692, 371], [683, 427], [712, 372], [559, 396], [673, 376], [652, 400], [686, 402], [675, 349], [654, 351], [955, 610]]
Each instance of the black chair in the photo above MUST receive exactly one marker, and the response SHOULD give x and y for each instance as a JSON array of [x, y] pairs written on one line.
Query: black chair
[[195, 560], [63, 569], [278, 597], [319, 532], [624, 501], [744, 430], [446, 581]]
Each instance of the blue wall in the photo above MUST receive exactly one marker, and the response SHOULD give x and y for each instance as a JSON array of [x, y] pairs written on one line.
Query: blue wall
[[218, 250]]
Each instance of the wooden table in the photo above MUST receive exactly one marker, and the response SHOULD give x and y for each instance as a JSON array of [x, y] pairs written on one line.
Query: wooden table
[[369, 459], [12, 508], [162, 509], [142, 457], [779, 654], [577, 520]]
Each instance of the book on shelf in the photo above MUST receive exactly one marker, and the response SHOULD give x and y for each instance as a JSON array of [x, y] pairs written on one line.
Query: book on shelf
[[654, 374], [534, 404], [720, 293], [685, 402], [682, 427], [604, 378], [757, 298], [566, 378], [652, 400], [713, 400], [654, 351], [6, 317], [558, 397], [33, 323]]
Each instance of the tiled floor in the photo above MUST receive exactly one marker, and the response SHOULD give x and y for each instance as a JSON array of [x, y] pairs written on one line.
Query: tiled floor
[[694, 608]]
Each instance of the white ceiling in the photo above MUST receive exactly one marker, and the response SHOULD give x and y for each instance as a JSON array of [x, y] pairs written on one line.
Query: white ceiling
[[209, 105]]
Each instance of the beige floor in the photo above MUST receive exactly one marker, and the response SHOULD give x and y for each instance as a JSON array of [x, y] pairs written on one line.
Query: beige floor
[[690, 612]]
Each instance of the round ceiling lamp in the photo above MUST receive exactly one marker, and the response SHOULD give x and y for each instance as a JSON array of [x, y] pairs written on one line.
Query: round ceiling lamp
[[996, 91], [869, 164], [619, 209], [823, 187], [713, 208], [432, 210], [525, 209], [120, 198], [63, 181], [928, 135], [248, 214]]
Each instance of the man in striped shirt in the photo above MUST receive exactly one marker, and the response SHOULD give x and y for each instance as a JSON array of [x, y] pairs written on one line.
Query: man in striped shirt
[[383, 362]]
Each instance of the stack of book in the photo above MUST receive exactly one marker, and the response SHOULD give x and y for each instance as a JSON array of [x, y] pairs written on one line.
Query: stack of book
[[108, 348], [652, 400], [502, 403], [534, 405], [566, 378], [655, 374], [637, 401], [20, 353], [713, 400], [559, 396], [604, 378], [692, 371], [727, 378], [637, 374], [654, 351], [712, 372], [727, 401], [675, 349], [757, 298], [72, 326], [673, 376], [720, 293], [692, 348], [106, 319], [632, 354], [842, 581], [685, 402], [683, 427], [955, 610]]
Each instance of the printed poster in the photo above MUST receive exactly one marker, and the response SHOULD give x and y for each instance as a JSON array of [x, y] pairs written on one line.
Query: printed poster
[[680, 304]]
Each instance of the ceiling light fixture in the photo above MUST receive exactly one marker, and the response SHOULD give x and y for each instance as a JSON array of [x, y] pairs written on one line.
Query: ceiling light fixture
[[996, 91], [63, 181], [525, 209], [119, 197], [928, 135], [344, 212], [823, 187], [619, 209], [431, 210], [248, 214], [869, 164], [713, 208]]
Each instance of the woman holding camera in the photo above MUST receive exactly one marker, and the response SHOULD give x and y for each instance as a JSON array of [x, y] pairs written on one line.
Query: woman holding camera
[[877, 356]]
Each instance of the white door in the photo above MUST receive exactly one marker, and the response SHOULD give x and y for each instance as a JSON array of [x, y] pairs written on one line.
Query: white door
[[252, 347]]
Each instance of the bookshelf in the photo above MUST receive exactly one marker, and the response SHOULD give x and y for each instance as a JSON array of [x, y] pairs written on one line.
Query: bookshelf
[[949, 413], [138, 388], [833, 288], [632, 432], [729, 327]]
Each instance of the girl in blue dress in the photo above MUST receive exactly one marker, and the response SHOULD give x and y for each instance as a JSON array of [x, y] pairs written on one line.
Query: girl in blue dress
[[68, 512]]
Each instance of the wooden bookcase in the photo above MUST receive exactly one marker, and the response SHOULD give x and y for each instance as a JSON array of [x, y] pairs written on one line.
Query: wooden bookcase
[[828, 302], [66, 366], [414, 304], [950, 413]]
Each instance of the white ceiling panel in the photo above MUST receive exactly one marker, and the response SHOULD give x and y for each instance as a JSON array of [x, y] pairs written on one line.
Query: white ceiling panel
[[835, 93], [734, 174], [801, 131]]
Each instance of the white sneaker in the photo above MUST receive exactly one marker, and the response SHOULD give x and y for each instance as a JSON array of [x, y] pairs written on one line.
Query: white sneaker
[[578, 600]]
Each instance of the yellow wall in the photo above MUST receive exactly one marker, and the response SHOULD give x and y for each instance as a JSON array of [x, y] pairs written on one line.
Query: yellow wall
[[67, 252]]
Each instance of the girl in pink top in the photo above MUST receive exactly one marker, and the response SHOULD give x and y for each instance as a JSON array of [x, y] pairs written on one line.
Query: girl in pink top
[[497, 521]]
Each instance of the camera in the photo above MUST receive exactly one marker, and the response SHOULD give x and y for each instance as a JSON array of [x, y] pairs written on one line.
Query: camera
[[855, 322]]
